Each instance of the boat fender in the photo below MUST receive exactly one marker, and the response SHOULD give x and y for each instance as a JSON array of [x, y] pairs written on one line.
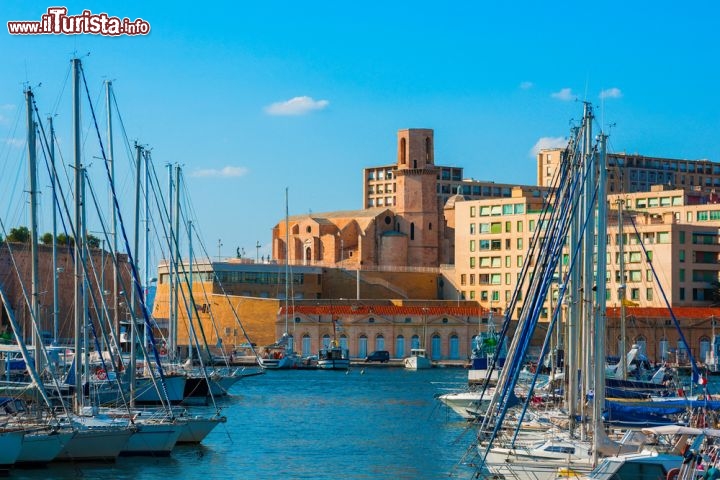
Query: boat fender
[[101, 374], [673, 474]]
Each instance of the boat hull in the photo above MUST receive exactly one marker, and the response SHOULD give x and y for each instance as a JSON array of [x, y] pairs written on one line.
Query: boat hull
[[336, 364], [152, 439], [43, 447], [147, 393], [195, 429], [95, 444]]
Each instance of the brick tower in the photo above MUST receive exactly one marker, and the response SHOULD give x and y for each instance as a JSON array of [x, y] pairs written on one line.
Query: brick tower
[[416, 196]]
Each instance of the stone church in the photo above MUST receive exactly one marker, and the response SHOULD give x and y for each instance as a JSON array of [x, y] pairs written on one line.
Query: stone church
[[412, 229]]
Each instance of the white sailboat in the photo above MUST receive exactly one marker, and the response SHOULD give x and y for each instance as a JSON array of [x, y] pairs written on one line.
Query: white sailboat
[[281, 354]]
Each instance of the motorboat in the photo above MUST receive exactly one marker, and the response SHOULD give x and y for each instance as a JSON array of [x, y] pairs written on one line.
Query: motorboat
[[418, 360]]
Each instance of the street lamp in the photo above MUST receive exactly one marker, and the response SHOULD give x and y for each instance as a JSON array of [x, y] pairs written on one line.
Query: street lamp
[[257, 252], [219, 247]]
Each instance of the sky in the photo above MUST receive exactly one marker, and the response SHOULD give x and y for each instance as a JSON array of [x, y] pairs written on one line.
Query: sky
[[251, 98]]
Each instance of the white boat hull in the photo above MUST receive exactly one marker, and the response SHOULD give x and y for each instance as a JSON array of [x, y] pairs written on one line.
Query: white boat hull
[[334, 364], [146, 392], [10, 447], [467, 404], [43, 446], [417, 363], [95, 443], [197, 428], [153, 438]]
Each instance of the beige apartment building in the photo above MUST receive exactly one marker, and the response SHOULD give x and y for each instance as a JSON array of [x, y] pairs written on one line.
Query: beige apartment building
[[637, 173], [492, 238]]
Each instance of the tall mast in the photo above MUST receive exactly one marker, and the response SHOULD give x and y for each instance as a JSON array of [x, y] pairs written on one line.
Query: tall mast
[[176, 297], [113, 223], [588, 250], [622, 290], [287, 258], [79, 314], [600, 311], [32, 173], [191, 311], [53, 183], [171, 261], [147, 240], [136, 247]]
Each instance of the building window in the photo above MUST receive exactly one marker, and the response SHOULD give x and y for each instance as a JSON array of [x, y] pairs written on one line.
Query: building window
[[472, 245], [403, 152], [472, 279], [635, 293], [681, 255], [463, 279], [472, 262], [412, 230], [519, 243], [472, 211], [682, 294], [507, 227], [649, 294], [519, 226], [472, 229], [681, 274], [472, 294]]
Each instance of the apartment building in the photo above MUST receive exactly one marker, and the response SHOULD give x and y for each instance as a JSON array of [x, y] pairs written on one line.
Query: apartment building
[[631, 173], [492, 238]]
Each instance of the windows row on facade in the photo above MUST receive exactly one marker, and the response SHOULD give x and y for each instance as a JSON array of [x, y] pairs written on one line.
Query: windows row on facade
[[439, 348]]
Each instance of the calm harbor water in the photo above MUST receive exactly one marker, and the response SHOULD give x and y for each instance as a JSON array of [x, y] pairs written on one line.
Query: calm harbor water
[[371, 423]]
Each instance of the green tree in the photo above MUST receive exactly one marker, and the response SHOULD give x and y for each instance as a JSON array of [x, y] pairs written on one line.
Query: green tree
[[93, 241], [63, 239], [19, 234], [46, 238]]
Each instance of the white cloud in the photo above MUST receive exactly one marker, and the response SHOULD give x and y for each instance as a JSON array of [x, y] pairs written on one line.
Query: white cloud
[[4, 119], [296, 106], [564, 94], [611, 93], [225, 172], [526, 85], [547, 142], [15, 142]]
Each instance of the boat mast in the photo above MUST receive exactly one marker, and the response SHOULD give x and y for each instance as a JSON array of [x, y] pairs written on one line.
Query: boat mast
[[32, 173], [176, 259], [287, 259], [601, 301], [79, 314], [147, 241], [191, 307], [136, 247], [113, 221], [622, 289], [589, 184], [53, 180], [171, 261]]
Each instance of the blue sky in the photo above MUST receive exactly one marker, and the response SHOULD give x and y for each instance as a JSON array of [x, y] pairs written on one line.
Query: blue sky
[[252, 98]]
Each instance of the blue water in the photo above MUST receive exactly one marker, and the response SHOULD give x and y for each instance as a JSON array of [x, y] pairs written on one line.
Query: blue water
[[371, 423]]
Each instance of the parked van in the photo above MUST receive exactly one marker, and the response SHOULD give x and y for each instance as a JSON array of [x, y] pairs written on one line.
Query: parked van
[[381, 356]]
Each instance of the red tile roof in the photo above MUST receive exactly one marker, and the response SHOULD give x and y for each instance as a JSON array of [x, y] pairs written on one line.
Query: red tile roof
[[385, 310]]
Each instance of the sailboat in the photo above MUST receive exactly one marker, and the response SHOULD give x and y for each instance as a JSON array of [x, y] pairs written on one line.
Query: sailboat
[[333, 356], [568, 217], [281, 354]]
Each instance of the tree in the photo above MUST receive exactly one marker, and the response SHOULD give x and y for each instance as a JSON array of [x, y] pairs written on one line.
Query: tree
[[19, 235], [46, 238], [63, 239], [93, 241]]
